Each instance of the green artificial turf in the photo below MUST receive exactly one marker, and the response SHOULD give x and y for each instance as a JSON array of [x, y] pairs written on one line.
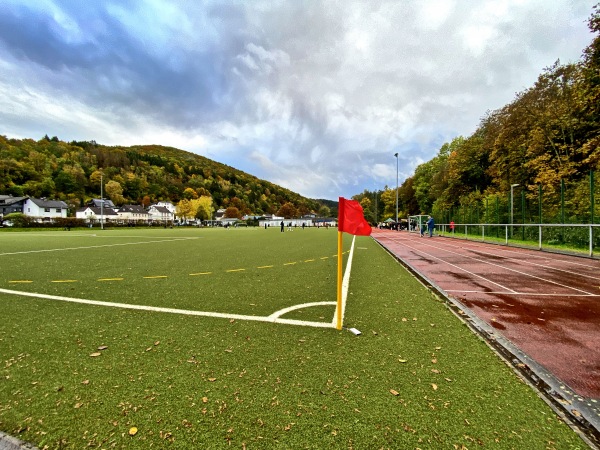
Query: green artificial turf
[[415, 378]]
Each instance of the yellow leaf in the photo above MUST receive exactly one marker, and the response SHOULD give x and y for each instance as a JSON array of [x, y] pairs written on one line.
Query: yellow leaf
[[133, 431], [204, 399], [103, 347], [93, 355], [212, 379], [78, 405], [434, 386], [393, 392], [402, 360]]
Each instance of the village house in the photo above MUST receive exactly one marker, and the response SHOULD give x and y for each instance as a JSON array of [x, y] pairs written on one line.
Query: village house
[[133, 214], [93, 214], [160, 214]]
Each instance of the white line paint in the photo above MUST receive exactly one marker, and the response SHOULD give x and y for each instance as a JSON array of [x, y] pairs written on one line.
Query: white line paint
[[95, 246], [532, 294], [345, 284], [273, 318], [520, 272], [460, 268], [281, 312]]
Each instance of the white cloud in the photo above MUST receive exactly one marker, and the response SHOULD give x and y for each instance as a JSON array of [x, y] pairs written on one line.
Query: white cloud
[[316, 96]]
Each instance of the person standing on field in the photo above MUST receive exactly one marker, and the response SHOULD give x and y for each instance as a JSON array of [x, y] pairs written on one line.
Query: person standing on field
[[282, 226]]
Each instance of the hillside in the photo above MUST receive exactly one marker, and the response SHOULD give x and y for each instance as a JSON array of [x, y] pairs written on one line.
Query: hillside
[[139, 174]]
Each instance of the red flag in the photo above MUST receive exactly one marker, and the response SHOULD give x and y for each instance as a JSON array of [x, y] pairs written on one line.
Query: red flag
[[351, 218]]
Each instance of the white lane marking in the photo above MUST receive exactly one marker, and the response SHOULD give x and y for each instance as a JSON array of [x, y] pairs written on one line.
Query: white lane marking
[[532, 294], [506, 268], [460, 268], [272, 318], [281, 312]]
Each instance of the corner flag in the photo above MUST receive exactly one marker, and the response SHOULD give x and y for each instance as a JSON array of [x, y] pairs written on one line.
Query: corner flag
[[350, 220]]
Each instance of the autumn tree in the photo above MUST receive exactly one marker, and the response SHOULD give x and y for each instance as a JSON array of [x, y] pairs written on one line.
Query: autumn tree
[[232, 213]]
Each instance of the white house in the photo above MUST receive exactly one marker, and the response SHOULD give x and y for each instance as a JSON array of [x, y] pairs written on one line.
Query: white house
[[170, 206], [94, 214], [160, 214], [45, 210], [133, 213]]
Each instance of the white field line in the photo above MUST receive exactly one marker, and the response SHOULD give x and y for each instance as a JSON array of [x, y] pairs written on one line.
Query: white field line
[[273, 318], [96, 246], [503, 267], [345, 284]]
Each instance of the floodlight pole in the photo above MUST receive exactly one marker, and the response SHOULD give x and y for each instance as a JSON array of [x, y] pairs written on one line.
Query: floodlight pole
[[101, 201], [396, 155], [512, 186]]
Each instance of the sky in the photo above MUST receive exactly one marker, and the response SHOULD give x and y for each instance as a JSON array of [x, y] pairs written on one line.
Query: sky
[[315, 96]]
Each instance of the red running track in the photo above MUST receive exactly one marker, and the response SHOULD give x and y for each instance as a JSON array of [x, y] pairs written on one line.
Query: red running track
[[546, 304]]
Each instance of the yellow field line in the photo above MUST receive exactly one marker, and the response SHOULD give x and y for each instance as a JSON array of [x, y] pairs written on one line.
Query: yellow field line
[[200, 273], [111, 279], [156, 276], [308, 260], [63, 281], [235, 270], [324, 257], [264, 267], [20, 281], [289, 264]]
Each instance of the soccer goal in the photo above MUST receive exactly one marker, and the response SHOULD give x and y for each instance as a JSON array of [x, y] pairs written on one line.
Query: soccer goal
[[417, 223]]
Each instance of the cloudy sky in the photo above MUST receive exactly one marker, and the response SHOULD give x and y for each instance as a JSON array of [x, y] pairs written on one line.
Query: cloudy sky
[[316, 96]]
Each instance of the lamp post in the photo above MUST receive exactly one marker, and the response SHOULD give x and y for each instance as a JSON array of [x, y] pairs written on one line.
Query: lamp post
[[512, 186], [101, 201], [396, 155]]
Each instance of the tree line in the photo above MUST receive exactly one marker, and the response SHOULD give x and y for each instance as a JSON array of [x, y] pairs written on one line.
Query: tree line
[[73, 172], [547, 138]]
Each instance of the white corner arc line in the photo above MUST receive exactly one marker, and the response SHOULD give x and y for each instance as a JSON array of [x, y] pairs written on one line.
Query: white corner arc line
[[345, 284], [170, 310], [281, 312]]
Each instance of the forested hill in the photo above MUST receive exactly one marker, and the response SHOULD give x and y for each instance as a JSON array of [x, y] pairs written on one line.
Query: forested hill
[[139, 174]]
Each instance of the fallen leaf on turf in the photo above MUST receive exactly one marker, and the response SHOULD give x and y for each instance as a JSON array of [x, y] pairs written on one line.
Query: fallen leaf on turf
[[434, 361], [85, 382], [404, 319], [212, 379], [78, 405], [149, 349], [402, 360], [393, 392], [448, 379], [204, 399], [157, 342], [133, 431], [95, 354], [435, 371], [434, 386], [103, 347]]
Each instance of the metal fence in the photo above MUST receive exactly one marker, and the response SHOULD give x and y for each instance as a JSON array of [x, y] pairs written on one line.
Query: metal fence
[[582, 239]]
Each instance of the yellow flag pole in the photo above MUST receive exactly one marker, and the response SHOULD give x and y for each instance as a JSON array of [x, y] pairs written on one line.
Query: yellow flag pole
[[339, 282]]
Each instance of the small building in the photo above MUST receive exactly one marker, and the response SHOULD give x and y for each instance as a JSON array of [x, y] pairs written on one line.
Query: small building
[[160, 214], [97, 203], [45, 210], [133, 213], [170, 206], [92, 214], [10, 204]]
